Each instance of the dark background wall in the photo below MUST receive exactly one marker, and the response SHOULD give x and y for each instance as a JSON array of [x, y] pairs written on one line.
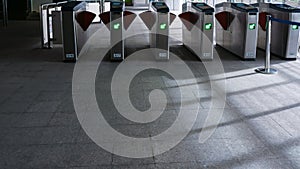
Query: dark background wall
[[17, 9]]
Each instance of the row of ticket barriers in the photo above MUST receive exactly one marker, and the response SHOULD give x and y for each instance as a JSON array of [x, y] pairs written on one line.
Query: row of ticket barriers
[[237, 27]]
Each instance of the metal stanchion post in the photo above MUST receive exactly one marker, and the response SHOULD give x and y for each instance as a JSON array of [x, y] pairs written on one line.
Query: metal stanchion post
[[42, 26], [48, 27], [4, 11], [267, 69]]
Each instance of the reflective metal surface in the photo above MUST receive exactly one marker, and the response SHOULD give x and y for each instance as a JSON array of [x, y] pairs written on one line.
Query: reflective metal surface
[[4, 13], [116, 36], [284, 41], [241, 36], [200, 38], [159, 37]]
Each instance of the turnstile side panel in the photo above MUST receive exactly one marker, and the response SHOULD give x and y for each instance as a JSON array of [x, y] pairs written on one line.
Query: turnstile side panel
[[293, 36], [207, 37], [57, 27], [219, 34], [279, 34], [45, 27], [238, 38], [186, 33], [162, 40], [238, 33], [251, 37], [200, 38], [82, 36], [116, 33], [159, 37], [261, 41], [69, 40]]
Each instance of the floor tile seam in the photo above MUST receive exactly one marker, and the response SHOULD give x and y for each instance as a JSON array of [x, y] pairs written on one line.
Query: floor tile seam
[[283, 128], [50, 144]]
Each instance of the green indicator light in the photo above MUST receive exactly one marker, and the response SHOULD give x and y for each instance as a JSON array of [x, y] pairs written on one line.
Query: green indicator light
[[252, 26], [116, 26], [163, 26], [294, 27], [208, 26]]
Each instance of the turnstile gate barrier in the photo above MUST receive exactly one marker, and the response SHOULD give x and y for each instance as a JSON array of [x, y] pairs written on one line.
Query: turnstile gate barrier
[[117, 21], [67, 24], [236, 29], [116, 31], [198, 29], [284, 41], [158, 20], [75, 22]]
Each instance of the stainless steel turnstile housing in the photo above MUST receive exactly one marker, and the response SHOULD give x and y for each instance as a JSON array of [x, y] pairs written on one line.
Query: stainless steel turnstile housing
[[116, 31], [73, 37], [241, 36], [159, 37], [284, 38], [200, 38], [67, 24]]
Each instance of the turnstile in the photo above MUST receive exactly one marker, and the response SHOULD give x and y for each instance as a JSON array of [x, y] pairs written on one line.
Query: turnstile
[[116, 31], [158, 20], [159, 37], [284, 38], [236, 29], [198, 29], [117, 20], [67, 24], [75, 23]]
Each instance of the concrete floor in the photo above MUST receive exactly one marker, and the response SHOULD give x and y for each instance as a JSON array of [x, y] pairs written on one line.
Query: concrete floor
[[260, 127]]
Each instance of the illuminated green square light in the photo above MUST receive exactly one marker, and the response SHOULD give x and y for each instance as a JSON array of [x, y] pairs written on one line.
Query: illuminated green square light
[[163, 26], [208, 26], [252, 26], [294, 27], [117, 26]]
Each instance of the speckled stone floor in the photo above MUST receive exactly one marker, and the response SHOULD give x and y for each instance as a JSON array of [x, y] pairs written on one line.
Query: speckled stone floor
[[260, 126]]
